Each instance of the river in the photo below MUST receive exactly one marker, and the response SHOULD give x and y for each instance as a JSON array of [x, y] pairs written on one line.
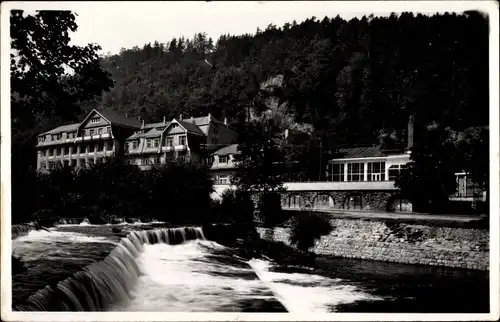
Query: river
[[178, 270]]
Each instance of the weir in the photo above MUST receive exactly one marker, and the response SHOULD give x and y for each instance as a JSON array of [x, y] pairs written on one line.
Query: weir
[[109, 281]]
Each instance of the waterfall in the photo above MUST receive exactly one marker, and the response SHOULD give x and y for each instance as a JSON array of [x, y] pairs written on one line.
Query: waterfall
[[106, 282], [23, 229]]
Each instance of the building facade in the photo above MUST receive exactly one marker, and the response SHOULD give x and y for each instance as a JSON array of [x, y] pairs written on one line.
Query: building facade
[[99, 135], [105, 134], [223, 166]]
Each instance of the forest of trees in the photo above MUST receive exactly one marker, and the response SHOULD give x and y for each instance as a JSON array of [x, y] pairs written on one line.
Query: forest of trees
[[354, 82]]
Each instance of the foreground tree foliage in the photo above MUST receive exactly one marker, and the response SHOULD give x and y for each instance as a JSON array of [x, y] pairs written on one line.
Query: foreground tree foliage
[[49, 81], [175, 192], [307, 228]]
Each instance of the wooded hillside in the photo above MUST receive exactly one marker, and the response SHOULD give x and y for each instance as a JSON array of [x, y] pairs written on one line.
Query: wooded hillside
[[355, 81]]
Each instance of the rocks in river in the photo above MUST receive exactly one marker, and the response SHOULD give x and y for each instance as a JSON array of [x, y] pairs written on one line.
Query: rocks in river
[[116, 230]]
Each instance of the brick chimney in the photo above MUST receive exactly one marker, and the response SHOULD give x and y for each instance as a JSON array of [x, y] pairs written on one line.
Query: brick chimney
[[410, 132], [180, 117], [164, 120], [142, 123]]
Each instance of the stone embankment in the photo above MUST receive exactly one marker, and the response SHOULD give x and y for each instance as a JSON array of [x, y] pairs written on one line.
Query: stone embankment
[[400, 243]]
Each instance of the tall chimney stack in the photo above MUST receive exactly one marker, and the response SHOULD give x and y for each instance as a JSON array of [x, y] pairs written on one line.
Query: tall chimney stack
[[209, 117], [180, 117], [410, 132], [225, 120], [164, 120], [142, 123]]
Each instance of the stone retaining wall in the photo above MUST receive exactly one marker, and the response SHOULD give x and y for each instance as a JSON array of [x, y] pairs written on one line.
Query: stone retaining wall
[[399, 243]]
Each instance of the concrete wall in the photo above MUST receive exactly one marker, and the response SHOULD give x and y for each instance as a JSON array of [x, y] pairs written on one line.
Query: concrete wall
[[400, 243]]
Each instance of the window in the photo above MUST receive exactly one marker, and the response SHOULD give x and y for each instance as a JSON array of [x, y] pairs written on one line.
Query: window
[[224, 179], [54, 137], [169, 156], [156, 143], [209, 161], [395, 171], [157, 159], [223, 159], [66, 163], [51, 165], [100, 147], [127, 146], [145, 161], [91, 147], [148, 143], [73, 163], [95, 120], [99, 131], [42, 153], [169, 141], [58, 151], [174, 125], [182, 140], [66, 150], [43, 165], [92, 132], [108, 129], [110, 146], [337, 172], [355, 171], [181, 155], [41, 139], [376, 171], [134, 145]]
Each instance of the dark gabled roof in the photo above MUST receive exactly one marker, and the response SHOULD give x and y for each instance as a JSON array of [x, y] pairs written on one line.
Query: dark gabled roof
[[230, 149], [63, 128], [364, 152], [119, 119], [153, 133], [154, 125], [203, 120], [191, 128]]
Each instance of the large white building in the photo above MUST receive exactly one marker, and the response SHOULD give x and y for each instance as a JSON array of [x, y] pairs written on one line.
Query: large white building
[[106, 133]]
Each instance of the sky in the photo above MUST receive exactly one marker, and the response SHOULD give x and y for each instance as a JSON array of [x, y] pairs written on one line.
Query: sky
[[117, 25]]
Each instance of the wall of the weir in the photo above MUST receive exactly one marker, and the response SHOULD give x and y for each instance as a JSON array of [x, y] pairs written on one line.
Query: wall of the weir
[[400, 243]]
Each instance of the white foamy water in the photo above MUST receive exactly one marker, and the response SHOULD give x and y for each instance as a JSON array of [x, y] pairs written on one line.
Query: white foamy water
[[186, 278], [182, 278], [308, 293]]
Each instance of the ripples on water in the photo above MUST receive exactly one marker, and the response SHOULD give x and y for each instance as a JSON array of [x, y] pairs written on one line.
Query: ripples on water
[[177, 270]]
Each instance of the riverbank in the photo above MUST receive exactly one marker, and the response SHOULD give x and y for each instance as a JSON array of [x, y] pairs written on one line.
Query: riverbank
[[398, 242]]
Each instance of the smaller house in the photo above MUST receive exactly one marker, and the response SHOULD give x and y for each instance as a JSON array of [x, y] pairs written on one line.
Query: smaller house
[[222, 163], [180, 139]]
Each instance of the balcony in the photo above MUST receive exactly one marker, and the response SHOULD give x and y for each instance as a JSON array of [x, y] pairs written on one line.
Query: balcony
[[222, 166], [180, 148]]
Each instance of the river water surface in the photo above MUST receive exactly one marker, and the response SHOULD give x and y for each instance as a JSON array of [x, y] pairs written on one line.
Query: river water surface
[[179, 273]]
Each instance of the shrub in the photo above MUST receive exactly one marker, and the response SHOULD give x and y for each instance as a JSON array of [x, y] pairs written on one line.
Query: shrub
[[270, 209], [307, 229], [236, 206]]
